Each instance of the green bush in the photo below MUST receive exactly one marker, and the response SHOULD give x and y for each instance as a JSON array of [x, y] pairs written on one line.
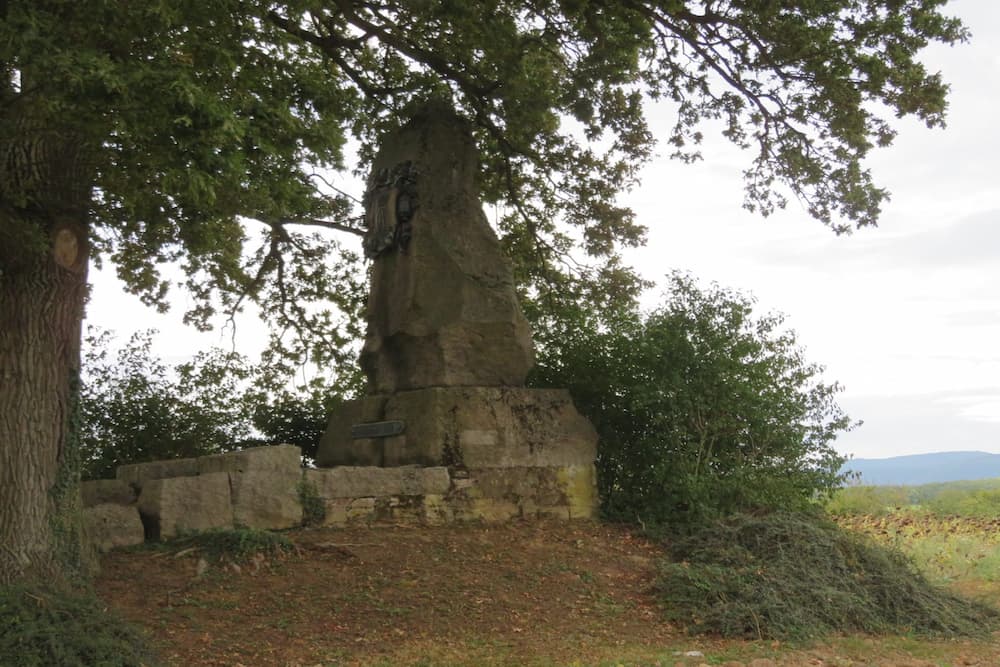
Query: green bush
[[296, 419], [44, 628], [134, 408], [702, 408], [787, 575]]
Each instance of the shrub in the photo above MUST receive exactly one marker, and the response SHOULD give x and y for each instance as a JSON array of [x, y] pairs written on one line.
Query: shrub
[[134, 408], [787, 575], [702, 408], [42, 628]]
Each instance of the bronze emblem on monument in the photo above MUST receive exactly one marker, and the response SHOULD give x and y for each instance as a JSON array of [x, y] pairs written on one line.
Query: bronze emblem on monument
[[390, 201]]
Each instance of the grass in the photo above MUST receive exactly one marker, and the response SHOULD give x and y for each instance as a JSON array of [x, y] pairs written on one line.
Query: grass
[[951, 530], [946, 548]]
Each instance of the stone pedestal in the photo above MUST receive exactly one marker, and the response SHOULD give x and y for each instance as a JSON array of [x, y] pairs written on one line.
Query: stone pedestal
[[513, 451], [470, 427]]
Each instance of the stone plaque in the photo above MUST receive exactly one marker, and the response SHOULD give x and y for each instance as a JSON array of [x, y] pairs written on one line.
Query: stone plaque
[[378, 429]]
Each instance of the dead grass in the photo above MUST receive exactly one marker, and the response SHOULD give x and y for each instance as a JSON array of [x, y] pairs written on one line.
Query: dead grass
[[534, 593]]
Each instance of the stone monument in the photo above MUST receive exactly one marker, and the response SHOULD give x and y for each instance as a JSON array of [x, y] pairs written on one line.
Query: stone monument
[[448, 348]]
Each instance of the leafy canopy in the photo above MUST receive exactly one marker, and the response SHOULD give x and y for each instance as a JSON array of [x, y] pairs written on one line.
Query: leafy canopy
[[193, 117], [702, 407]]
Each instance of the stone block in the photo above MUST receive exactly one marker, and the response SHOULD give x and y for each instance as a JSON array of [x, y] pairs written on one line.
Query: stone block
[[492, 510], [100, 491], [519, 484], [181, 504], [137, 474], [111, 525], [286, 458], [561, 513], [360, 510], [436, 510], [355, 482], [266, 499], [580, 486], [568, 492], [337, 448], [474, 427], [336, 511]]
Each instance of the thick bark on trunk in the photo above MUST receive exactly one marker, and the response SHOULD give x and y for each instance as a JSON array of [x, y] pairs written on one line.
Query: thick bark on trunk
[[41, 309], [43, 286]]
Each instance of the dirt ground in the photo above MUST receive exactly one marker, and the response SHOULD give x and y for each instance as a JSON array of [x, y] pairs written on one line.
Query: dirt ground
[[532, 593]]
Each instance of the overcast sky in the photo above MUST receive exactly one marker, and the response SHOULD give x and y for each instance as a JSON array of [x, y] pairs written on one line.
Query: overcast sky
[[906, 316]]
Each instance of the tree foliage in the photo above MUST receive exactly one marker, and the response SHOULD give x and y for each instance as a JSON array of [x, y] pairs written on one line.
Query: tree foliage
[[194, 117], [135, 410], [703, 408]]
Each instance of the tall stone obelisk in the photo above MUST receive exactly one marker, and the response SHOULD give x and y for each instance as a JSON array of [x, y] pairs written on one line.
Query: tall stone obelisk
[[442, 311]]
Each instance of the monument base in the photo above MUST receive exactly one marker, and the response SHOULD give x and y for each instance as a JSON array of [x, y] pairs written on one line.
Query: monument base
[[523, 451]]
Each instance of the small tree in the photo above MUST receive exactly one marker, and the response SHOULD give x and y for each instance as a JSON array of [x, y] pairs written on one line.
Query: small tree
[[702, 407]]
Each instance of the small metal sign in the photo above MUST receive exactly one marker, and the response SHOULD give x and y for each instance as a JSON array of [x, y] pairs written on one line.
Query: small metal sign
[[378, 429]]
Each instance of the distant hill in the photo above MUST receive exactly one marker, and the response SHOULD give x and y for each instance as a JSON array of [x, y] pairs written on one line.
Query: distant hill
[[926, 468]]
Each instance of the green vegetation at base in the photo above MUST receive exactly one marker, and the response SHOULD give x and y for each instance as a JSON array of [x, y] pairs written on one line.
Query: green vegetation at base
[[791, 575], [44, 628], [235, 545], [313, 507]]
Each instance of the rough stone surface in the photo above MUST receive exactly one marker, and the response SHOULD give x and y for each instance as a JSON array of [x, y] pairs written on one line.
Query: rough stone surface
[[337, 448], [474, 427], [443, 312], [355, 482], [111, 525], [413, 495], [137, 474], [266, 499], [180, 504], [276, 457], [567, 492], [100, 491]]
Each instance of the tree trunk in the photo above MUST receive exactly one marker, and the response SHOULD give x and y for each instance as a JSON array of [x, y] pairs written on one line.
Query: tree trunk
[[43, 286]]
